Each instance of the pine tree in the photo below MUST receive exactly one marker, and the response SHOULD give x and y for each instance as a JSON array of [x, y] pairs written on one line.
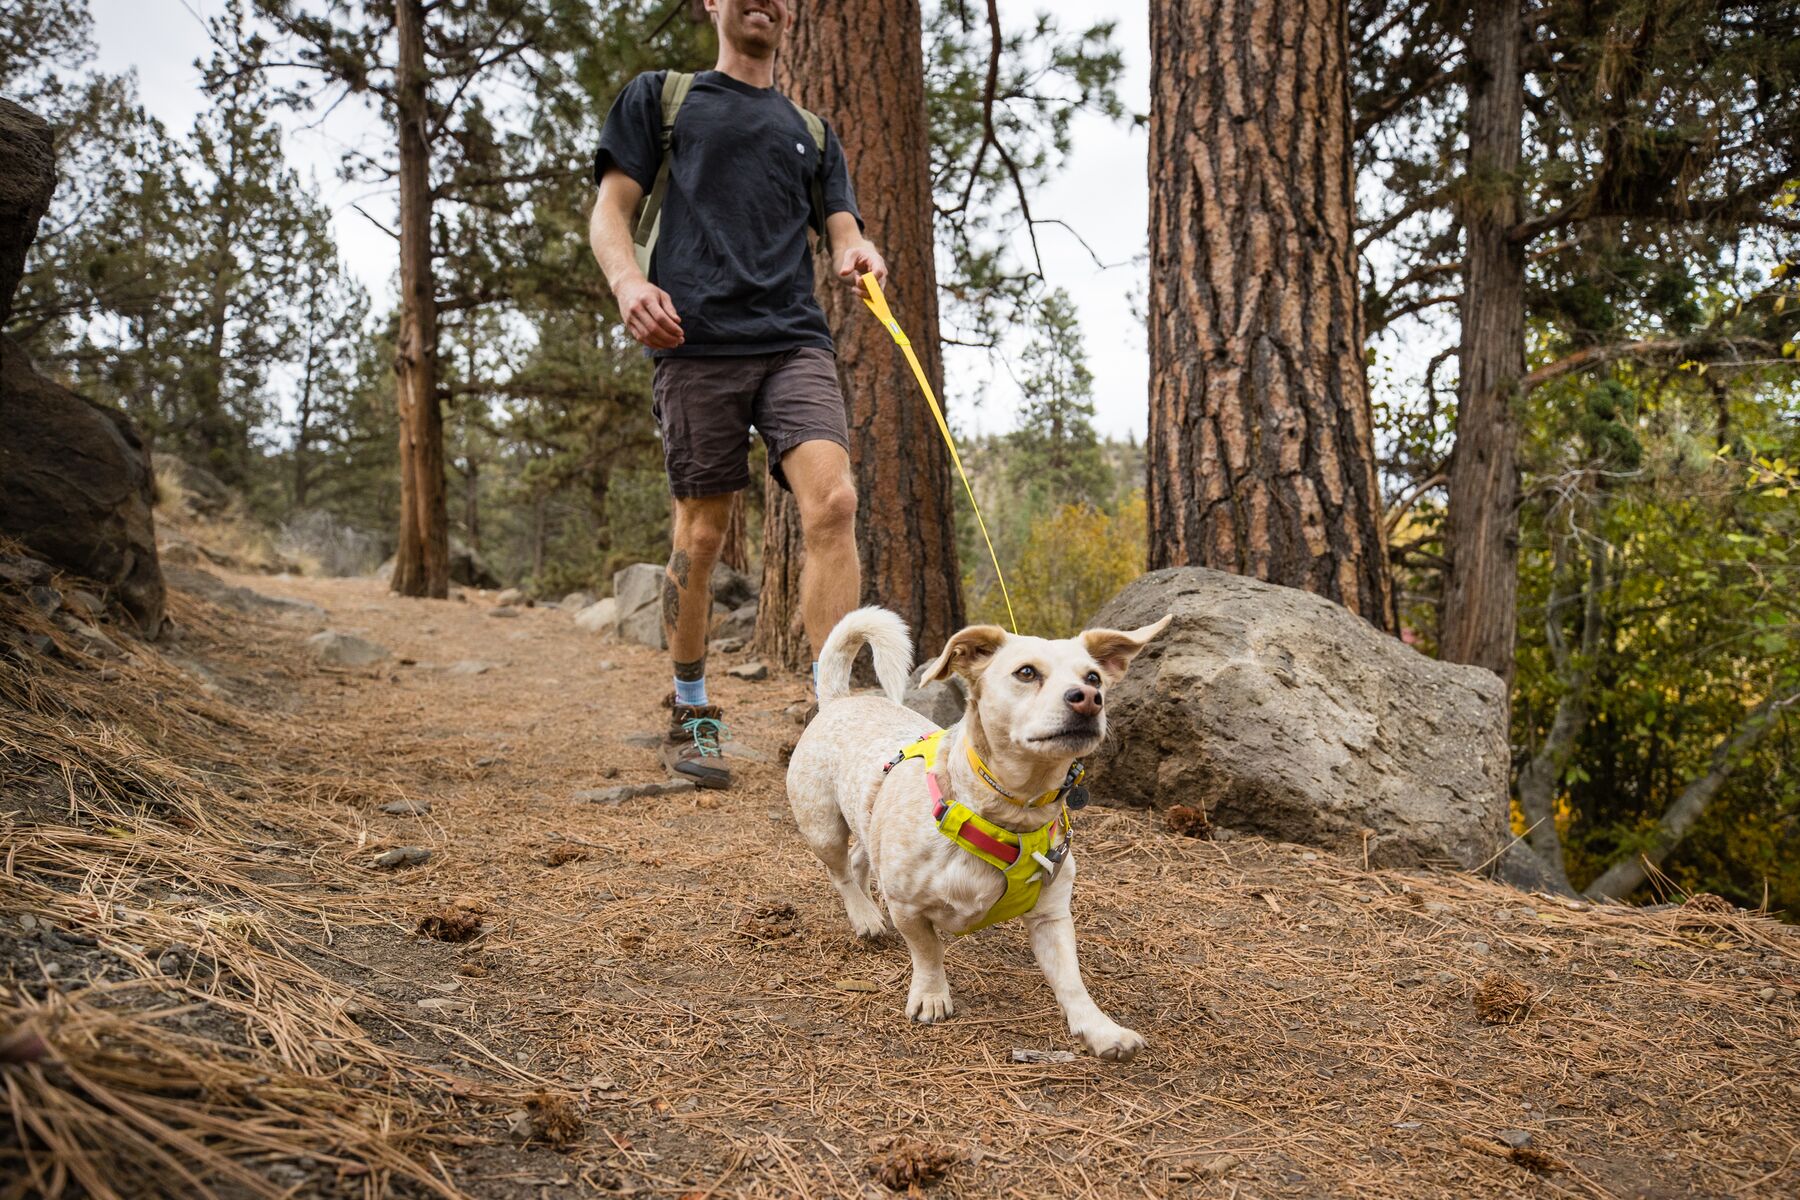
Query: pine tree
[[1261, 455], [1055, 452]]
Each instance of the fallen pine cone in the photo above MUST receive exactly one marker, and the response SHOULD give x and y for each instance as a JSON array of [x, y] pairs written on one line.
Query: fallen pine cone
[[768, 922], [451, 923], [554, 1118], [1706, 902], [1501, 999], [1188, 822], [901, 1163], [557, 856]]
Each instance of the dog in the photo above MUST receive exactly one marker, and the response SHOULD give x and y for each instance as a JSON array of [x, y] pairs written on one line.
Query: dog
[[1035, 706]]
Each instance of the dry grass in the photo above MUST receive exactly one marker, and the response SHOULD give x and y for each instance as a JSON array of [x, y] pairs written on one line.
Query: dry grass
[[684, 977]]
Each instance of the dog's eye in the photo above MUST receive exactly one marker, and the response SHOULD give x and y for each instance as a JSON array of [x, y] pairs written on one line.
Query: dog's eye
[[1026, 674], [1093, 679]]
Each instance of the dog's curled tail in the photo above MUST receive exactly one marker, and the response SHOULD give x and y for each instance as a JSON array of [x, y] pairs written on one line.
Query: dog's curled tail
[[889, 644]]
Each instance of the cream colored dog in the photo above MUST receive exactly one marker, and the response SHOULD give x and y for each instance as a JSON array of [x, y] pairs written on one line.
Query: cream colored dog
[[1035, 706]]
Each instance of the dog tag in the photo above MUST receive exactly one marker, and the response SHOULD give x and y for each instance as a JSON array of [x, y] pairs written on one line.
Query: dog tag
[[1077, 796]]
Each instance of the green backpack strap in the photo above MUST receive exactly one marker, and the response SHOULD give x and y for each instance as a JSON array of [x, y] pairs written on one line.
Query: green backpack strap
[[649, 215], [816, 126]]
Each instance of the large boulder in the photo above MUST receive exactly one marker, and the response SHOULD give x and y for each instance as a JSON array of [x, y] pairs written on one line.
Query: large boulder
[[75, 487], [638, 589], [1283, 714], [75, 481], [27, 179]]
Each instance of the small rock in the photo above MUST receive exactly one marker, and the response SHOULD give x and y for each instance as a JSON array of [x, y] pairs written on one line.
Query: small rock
[[503, 612], [751, 671], [609, 772], [1515, 1137], [442, 1004], [1219, 1164], [634, 791], [92, 640], [407, 808], [606, 664], [403, 856], [45, 599], [602, 616], [576, 601], [510, 597], [726, 645], [1438, 908], [20, 572], [84, 604], [344, 649], [488, 760], [469, 666], [1768, 993], [1481, 949]]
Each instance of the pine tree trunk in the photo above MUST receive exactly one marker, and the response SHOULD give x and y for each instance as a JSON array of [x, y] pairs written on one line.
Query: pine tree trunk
[[1261, 452], [860, 65], [1481, 536], [422, 561]]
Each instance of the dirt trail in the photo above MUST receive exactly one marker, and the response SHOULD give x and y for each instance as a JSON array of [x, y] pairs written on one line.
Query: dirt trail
[[687, 978]]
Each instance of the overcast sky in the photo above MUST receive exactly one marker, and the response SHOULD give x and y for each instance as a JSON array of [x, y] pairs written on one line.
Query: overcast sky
[[1102, 192]]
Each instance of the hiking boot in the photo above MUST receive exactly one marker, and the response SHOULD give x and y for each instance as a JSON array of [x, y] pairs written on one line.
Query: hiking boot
[[692, 751]]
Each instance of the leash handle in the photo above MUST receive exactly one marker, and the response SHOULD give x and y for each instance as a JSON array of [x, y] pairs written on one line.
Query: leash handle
[[879, 306]]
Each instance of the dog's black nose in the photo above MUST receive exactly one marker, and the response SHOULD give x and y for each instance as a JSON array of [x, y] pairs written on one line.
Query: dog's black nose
[[1084, 699]]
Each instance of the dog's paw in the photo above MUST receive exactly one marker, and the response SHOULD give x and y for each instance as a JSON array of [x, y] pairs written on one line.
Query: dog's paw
[[1113, 1042], [927, 1008], [873, 930]]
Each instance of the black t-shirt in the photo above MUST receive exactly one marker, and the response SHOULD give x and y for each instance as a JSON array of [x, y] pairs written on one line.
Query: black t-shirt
[[732, 250]]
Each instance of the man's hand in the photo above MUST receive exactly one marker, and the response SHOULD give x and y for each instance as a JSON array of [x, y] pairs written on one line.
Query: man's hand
[[649, 314], [858, 260]]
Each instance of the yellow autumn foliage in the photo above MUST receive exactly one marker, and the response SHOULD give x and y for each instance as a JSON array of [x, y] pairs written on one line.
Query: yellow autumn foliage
[[1075, 558]]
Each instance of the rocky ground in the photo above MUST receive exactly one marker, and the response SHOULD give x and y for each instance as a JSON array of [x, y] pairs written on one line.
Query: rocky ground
[[418, 941]]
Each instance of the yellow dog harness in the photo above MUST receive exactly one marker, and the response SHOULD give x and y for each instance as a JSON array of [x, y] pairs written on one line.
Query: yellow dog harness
[[1027, 860]]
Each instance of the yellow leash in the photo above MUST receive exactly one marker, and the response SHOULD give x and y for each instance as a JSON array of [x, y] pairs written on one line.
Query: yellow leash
[[879, 306]]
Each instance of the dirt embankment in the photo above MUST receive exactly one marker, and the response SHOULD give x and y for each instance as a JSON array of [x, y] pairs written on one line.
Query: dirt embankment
[[207, 982]]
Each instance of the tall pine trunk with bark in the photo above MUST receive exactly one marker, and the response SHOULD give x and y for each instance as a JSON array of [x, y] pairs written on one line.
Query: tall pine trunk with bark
[[422, 561], [860, 65], [1261, 450], [1481, 535]]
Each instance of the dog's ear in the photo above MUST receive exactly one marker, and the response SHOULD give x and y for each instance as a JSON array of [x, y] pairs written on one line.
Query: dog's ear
[[1114, 649], [967, 653]]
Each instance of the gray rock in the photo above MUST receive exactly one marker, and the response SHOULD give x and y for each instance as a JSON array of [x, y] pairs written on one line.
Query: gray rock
[[469, 666], [633, 791], [1283, 714], [512, 596], [21, 572], [507, 613], [27, 179], [575, 601], [602, 617], [725, 646], [942, 703], [737, 625], [1515, 1138], [638, 590], [344, 649], [407, 808], [84, 604], [45, 599], [606, 664], [403, 856], [89, 638], [752, 671], [210, 587], [732, 589]]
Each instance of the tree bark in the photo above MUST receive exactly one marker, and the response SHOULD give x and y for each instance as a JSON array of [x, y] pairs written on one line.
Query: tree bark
[[860, 65], [1481, 534], [422, 561], [1261, 448]]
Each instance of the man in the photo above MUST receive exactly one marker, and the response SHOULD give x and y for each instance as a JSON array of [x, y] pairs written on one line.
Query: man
[[727, 311]]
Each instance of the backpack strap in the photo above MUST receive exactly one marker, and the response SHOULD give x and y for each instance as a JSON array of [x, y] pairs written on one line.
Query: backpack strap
[[649, 216], [815, 125]]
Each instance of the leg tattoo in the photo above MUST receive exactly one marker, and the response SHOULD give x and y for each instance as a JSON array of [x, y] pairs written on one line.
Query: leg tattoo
[[690, 671]]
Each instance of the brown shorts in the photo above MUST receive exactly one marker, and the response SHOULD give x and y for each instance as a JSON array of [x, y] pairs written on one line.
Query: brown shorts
[[706, 407]]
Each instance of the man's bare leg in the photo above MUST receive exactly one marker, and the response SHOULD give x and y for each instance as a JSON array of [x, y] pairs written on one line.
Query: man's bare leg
[[825, 492], [699, 532]]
